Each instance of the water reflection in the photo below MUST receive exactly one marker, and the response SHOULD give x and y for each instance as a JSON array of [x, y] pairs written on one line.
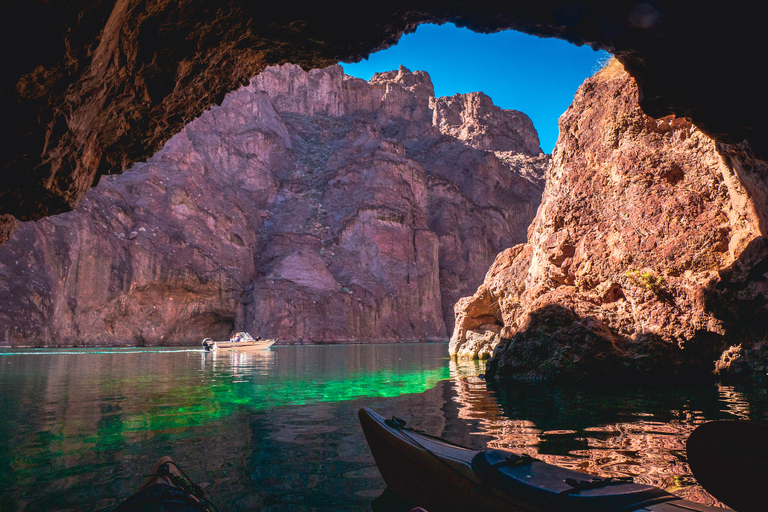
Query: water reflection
[[244, 363], [608, 432], [736, 403], [277, 430], [81, 426]]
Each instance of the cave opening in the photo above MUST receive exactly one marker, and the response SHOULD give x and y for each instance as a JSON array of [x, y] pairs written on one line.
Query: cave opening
[[238, 186], [677, 218], [442, 47]]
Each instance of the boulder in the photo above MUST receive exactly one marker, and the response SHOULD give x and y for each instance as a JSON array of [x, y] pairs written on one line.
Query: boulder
[[637, 260]]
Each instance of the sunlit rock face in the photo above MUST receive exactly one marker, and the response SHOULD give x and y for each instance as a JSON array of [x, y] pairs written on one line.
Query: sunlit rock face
[[309, 206], [92, 87], [475, 119], [645, 256]]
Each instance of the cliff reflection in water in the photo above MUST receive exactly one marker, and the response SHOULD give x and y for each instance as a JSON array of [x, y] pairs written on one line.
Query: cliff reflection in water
[[608, 431], [278, 430], [80, 427]]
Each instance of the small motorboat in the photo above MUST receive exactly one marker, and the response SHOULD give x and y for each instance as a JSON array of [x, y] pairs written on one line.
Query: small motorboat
[[240, 341], [441, 476]]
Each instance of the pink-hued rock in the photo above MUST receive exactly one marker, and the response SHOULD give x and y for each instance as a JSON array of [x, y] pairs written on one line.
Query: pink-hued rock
[[309, 206], [475, 119], [645, 254], [92, 87]]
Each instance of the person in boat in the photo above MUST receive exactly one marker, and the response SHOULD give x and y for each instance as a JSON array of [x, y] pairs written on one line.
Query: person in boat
[[237, 338]]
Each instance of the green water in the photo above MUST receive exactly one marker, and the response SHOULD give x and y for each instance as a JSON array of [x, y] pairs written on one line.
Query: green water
[[277, 430]]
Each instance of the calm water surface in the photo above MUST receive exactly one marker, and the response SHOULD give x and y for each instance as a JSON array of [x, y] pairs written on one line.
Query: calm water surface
[[277, 430]]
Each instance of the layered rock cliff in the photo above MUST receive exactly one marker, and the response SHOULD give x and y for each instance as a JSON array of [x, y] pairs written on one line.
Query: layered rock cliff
[[309, 206], [92, 87], [645, 255]]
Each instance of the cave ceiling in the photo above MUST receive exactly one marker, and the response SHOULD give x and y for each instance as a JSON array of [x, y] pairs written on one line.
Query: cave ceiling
[[90, 87]]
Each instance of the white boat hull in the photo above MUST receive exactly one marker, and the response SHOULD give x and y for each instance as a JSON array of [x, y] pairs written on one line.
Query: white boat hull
[[245, 342], [242, 345]]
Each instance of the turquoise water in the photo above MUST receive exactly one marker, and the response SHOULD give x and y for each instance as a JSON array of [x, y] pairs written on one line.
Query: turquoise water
[[277, 430]]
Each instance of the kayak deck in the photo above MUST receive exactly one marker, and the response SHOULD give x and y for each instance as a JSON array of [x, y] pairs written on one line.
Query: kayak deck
[[443, 477]]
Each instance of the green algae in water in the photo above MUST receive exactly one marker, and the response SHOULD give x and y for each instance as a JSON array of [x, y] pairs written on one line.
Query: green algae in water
[[82, 425], [278, 431], [68, 404], [197, 404]]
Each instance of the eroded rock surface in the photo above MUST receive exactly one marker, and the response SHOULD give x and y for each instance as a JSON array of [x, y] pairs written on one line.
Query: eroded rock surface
[[645, 255], [90, 87], [309, 206]]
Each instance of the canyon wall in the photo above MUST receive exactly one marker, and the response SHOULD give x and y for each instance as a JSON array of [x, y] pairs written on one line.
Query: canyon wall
[[645, 256], [309, 206], [92, 87]]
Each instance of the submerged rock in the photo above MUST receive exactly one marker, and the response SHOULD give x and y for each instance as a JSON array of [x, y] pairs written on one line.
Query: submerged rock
[[644, 257], [309, 206]]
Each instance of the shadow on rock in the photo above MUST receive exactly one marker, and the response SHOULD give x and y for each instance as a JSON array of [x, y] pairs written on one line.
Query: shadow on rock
[[739, 299], [555, 344]]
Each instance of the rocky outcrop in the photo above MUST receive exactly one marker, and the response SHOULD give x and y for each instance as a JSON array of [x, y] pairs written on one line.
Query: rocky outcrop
[[645, 256], [475, 119], [309, 206], [92, 87]]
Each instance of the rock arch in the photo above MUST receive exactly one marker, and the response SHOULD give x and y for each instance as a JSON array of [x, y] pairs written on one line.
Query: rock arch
[[91, 87]]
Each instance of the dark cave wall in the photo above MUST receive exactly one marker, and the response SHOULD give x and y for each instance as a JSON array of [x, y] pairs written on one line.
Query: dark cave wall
[[89, 88]]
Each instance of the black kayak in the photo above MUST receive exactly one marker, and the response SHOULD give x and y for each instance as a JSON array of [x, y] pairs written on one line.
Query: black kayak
[[167, 489], [444, 477]]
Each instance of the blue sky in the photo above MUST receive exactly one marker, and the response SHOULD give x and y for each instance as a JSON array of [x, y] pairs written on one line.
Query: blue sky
[[534, 75]]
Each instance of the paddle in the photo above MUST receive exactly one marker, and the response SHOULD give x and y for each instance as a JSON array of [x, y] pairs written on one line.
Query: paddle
[[729, 458]]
